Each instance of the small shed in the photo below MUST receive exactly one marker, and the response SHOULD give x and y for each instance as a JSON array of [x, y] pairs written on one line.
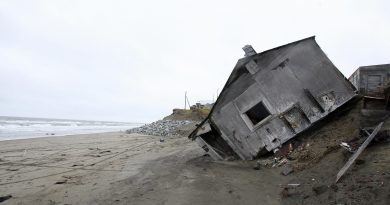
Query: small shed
[[269, 98], [370, 80]]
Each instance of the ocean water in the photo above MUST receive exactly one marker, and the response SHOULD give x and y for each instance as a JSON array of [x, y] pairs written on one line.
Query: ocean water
[[22, 127]]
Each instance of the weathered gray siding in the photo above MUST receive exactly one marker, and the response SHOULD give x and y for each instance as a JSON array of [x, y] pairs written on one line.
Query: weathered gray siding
[[296, 84], [279, 81], [355, 79], [369, 80]]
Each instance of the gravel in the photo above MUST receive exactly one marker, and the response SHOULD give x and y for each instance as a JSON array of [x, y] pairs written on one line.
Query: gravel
[[162, 128]]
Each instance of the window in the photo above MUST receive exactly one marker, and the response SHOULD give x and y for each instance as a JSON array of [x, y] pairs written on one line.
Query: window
[[257, 113]]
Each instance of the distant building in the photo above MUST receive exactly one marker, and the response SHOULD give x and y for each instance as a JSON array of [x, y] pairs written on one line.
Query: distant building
[[370, 80], [269, 98], [199, 105]]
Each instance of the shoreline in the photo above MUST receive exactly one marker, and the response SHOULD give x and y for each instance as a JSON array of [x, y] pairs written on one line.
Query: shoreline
[[119, 168], [59, 136], [23, 127], [51, 170]]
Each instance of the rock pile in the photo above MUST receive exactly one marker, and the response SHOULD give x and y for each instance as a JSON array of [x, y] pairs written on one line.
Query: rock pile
[[161, 128]]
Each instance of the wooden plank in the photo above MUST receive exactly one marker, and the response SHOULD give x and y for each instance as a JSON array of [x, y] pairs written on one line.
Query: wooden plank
[[213, 154], [314, 100], [358, 152], [205, 128]]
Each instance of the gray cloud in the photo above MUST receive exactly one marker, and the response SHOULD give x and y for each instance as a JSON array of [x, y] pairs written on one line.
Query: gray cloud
[[133, 60]]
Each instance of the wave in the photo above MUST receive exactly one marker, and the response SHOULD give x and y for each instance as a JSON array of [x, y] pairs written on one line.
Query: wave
[[19, 128]]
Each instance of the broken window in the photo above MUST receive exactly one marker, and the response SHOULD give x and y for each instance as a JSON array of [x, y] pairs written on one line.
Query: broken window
[[257, 113]]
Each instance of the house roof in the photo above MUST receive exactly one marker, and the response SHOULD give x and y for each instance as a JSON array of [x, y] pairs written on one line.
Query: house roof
[[370, 67], [240, 69], [380, 66]]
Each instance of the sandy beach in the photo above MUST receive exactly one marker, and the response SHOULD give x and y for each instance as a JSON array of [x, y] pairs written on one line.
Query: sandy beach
[[80, 169], [119, 168]]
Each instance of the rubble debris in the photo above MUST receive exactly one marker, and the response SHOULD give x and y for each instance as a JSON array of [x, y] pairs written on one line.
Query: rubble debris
[[269, 98], [287, 169], [320, 189], [266, 162], [257, 165], [346, 146], [282, 162], [360, 161], [293, 185], [358, 152], [289, 190]]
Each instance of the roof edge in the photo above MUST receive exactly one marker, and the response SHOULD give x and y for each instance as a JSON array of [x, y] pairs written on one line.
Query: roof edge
[[367, 66], [294, 42]]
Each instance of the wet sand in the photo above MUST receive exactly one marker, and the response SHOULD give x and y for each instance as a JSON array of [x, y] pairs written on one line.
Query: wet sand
[[119, 168]]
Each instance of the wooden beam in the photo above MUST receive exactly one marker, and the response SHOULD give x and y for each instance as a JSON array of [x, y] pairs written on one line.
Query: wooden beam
[[358, 152]]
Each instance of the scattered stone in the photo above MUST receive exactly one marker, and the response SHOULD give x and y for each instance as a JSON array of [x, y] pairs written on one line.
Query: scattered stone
[[360, 161], [51, 202], [287, 169], [257, 165], [5, 198], [319, 189], [285, 192], [61, 182], [282, 162], [76, 165], [334, 187], [160, 128]]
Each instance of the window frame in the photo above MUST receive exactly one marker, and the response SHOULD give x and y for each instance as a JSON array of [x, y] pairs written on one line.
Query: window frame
[[249, 122]]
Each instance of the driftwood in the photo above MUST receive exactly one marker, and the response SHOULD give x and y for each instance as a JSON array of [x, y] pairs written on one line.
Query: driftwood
[[358, 152]]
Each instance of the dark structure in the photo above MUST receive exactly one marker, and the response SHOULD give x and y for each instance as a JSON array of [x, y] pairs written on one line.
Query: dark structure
[[371, 80], [373, 83], [269, 98]]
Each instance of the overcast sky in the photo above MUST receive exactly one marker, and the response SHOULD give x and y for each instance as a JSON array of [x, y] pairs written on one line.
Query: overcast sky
[[133, 60]]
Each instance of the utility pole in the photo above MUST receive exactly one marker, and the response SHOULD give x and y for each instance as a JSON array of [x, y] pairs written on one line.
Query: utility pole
[[185, 100], [188, 102]]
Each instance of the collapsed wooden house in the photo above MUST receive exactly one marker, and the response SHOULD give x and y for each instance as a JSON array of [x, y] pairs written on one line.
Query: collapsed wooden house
[[269, 98]]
